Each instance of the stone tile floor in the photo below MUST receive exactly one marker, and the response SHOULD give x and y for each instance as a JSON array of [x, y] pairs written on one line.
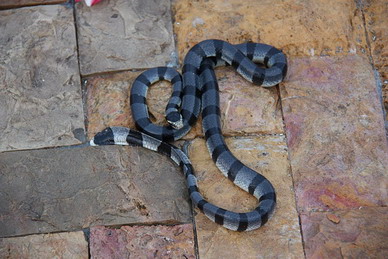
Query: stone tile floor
[[320, 136]]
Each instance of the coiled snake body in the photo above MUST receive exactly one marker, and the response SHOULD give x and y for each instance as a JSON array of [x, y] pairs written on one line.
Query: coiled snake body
[[199, 86]]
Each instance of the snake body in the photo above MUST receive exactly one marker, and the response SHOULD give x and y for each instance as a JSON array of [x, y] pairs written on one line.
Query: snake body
[[198, 92]]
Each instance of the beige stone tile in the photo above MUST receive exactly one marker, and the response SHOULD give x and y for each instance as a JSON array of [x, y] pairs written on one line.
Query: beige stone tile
[[280, 237], [300, 28], [58, 245], [246, 108], [335, 133], [376, 25]]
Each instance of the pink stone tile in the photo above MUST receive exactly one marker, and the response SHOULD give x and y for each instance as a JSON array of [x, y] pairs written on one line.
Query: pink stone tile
[[142, 242], [335, 132], [356, 233]]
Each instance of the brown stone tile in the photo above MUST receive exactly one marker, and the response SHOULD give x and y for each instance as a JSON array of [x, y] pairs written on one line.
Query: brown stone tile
[[246, 108], [358, 233], [335, 133], [143, 242], [108, 102], [40, 90], [280, 237], [121, 35], [300, 28], [4, 4], [376, 24], [53, 190], [58, 245]]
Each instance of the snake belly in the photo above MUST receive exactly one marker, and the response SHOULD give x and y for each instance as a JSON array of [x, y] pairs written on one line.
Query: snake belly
[[195, 93]]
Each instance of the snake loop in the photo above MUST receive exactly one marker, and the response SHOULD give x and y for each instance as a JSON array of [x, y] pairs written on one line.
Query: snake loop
[[197, 91]]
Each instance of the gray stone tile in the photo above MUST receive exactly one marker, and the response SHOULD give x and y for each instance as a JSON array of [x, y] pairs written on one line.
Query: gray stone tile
[[4, 4], [40, 92], [72, 188], [122, 34]]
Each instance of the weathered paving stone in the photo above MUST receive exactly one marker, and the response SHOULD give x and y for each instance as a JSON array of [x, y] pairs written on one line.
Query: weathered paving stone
[[119, 35], [312, 28], [4, 4], [335, 133], [377, 24], [58, 245], [108, 101], [143, 242], [40, 92], [280, 237], [245, 108], [357, 233], [69, 189]]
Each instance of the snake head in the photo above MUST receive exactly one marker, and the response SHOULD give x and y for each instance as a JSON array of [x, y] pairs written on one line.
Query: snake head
[[104, 137], [175, 120]]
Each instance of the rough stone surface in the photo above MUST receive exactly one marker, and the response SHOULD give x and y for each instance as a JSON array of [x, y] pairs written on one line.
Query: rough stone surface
[[58, 245], [245, 108], [119, 35], [377, 24], [4, 4], [40, 92], [335, 133], [108, 101], [69, 189], [143, 242], [361, 233], [313, 27], [280, 237]]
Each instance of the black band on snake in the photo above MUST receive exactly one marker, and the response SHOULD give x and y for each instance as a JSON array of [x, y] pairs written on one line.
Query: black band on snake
[[198, 92]]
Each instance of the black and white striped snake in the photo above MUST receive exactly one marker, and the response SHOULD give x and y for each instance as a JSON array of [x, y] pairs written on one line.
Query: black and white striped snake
[[198, 92]]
